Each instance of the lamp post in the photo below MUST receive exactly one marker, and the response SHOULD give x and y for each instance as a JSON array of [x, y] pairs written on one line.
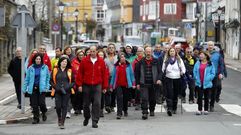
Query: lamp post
[[33, 14], [219, 11], [197, 25], [197, 22], [86, 17], [76, 13], [61, 10]]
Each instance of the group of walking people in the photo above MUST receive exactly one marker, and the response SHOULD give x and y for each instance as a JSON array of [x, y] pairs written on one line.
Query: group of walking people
[[104, 77]]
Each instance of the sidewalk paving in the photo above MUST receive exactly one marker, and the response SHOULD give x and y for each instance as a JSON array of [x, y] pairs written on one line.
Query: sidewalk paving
[[233, 64], [10, 113]]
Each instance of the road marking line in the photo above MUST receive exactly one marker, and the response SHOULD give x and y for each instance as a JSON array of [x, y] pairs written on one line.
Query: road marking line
[[3, 122], [238, 125], [7, 98], [232, 108], [190, 107], [160, 108]]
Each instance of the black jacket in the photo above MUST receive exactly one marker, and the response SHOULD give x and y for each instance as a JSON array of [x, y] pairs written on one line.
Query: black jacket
[[14, 69], [140, 71]]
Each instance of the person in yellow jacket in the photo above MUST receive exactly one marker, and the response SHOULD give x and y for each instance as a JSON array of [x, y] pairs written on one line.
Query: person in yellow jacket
[[62, 81], [54, 60]]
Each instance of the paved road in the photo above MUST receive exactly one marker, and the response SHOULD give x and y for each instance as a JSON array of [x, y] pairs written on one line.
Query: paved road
[[226, 120]]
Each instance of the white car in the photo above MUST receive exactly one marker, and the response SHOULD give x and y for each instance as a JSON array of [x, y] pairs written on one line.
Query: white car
[[92, 42]]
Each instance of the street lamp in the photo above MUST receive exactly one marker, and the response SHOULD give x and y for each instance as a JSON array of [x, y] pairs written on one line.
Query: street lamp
[[33, 14], [76, 13], [61, 9], [219, 11], [86, 17]]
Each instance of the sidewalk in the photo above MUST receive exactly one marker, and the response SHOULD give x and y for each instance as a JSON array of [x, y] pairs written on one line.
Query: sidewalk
[[10, 113], [233, 64]]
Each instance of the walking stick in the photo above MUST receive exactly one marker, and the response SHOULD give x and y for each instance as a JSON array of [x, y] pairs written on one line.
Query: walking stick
[[181, 107]]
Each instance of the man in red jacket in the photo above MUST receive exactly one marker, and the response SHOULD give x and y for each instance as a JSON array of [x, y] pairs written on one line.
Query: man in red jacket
[[91, 81]]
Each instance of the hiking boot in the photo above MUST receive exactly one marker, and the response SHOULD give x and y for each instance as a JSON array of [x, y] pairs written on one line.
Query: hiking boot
[[94, 124], [211, 109], [108, 109], [174, 111], [118, 117], [86, 122], [144, 116], [44, 117], [125, 113], [19, 106], [35, 121], [169, 113], [138, 107], [152, 113]]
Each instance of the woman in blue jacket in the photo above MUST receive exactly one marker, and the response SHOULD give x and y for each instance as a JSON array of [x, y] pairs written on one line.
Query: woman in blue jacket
[[122, 79], [36, 83], [204, 72]]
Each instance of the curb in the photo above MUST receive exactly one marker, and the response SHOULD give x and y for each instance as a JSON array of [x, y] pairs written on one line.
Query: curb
[[19, 120], [233, 68], [14, 121]]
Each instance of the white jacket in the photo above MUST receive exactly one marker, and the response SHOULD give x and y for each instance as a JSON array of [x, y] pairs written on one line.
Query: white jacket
[[174, 71]]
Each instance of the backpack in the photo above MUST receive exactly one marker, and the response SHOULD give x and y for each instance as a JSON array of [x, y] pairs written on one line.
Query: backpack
[[69, 74]]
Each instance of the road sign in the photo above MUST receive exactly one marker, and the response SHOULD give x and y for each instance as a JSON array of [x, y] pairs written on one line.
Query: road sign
[[2, 16], [55, 27], [29, 21], [22, 20], [188, 25]]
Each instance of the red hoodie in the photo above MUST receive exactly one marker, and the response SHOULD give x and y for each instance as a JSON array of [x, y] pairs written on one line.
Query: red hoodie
[[92, 74]]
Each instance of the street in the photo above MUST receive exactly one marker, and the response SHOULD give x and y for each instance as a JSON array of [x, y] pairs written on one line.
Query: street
[[220, 122]]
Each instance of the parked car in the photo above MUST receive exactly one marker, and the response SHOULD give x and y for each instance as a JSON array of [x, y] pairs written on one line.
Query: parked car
[[133, 40], [79, 45], [204, 46], [92, 42]]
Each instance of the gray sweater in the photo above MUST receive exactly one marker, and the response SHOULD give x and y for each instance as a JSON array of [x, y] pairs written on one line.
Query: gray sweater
[[110, 64]]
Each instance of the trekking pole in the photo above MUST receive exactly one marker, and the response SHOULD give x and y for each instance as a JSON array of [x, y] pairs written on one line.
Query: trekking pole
[[181, 107]]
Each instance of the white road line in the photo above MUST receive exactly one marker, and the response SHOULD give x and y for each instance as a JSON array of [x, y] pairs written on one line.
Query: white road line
[[232, 108], [190, 107], [238, 125], [3, 122], [7, 98], [160, 108]]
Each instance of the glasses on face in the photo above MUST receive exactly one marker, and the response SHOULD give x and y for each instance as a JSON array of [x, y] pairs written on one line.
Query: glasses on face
[[189, 52]]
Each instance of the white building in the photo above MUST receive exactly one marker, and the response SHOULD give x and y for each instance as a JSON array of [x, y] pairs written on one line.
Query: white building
[[232, 25]]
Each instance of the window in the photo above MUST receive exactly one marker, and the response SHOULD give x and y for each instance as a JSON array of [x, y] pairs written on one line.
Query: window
[[170, 8], [141, 11], [100, 15], [146, 9]]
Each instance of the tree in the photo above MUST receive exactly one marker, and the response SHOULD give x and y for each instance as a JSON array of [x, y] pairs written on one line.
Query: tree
[[90, 26]]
